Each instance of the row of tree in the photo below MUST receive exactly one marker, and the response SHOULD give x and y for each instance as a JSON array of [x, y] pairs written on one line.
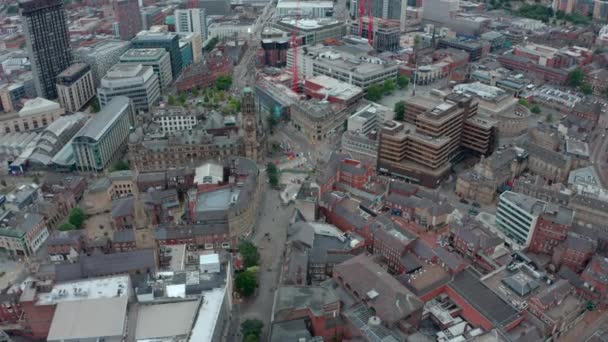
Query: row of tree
[[376, 91], [76, 220], [273, 174], [246, 281]]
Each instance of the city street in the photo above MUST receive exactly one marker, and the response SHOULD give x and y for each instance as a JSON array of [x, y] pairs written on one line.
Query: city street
[[273, 219]]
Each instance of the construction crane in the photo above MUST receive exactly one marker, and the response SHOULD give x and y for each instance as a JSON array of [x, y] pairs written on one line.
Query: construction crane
[[295, 86]]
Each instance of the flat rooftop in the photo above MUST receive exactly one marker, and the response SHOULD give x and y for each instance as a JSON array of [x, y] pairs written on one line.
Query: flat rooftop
[[125, 71], [108, 287], [530, 204], [73, 70], [143, 54], [156, 321], [217, 200], [89, 319], [207, 316], [489, 304]]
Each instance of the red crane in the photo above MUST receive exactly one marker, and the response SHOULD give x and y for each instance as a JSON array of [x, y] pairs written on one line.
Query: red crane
[[361, 15], [370, 24], [294, 44]]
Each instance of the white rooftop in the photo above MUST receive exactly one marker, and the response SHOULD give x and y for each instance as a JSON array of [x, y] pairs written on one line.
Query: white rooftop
[[96, 288], [209, 259], [209, 173], [38, 105], [208, 314]]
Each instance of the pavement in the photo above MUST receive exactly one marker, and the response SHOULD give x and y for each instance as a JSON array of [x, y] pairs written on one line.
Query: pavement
[[274, 219]]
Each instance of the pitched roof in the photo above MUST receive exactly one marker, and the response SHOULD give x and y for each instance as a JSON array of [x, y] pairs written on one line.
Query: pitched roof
[[103, 264], [390, 299]]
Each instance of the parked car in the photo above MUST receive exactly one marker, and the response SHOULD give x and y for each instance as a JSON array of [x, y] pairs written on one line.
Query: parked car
[[476, 205], [462, 200]]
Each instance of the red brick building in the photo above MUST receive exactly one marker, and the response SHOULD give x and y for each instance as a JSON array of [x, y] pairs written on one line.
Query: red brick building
[[319, 305], [60, 245], [551, 230], [574, 252], [596, 275], [10, 308], [354, 173], [206, 73]]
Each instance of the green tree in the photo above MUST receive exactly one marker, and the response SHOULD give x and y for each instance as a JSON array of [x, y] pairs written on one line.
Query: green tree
[[211, 44], [535, 109], [402, 81], [417, 40], [171, 100], [224, 82], [272, 121], [12, 9], [586, 89], [252, 327], [121, 165], [252, 338], [36, 179], [399, 111], [388, 86], [246, 283], [77, 217], [273, 174], [235, 105], [524, 102], [250, 254], [576, 77], [374, 92], [549, 117], [182, 99], [95, 108], [67, 226]]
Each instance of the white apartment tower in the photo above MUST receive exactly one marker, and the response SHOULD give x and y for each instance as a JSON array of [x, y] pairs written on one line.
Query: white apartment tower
[[192, 20]]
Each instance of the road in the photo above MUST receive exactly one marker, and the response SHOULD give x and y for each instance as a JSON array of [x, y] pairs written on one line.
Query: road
[[274, 219], [599, 156]]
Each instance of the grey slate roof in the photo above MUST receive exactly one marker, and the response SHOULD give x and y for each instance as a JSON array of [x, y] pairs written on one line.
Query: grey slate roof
[[105, 264]]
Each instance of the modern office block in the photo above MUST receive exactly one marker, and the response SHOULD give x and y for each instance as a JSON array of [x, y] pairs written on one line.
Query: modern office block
[[97, 143], [137, 82], [166, 40], [517, 214], [102, 56], [158, 59]]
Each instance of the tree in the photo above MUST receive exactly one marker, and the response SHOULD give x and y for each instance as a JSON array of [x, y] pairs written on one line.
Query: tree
[[95, 108], [224, 82], [388, 86], [535, 109], [400, 111], [235, 105], [66, 226], [250, 254], [272, 121], [252, 327], [171, 100], [576, 77], [586, 89], [36, 179], [121, 165], [374, 93], [211, 44], [77, 217], [524, 102], [182, 99], [3, 182], [549, 118], [417, 41], [402, 81], [273, 174], [246, 283], [252, 338]]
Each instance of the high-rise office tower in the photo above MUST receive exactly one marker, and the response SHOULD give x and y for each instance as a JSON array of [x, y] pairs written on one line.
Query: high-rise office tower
[[192, 20], [48, 42], [128, 15]]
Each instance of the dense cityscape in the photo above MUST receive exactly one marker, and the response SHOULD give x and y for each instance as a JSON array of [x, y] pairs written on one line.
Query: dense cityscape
[[303, 170]]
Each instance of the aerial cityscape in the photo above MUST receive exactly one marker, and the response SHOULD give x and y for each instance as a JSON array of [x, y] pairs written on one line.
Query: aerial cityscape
[[303, 170]]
